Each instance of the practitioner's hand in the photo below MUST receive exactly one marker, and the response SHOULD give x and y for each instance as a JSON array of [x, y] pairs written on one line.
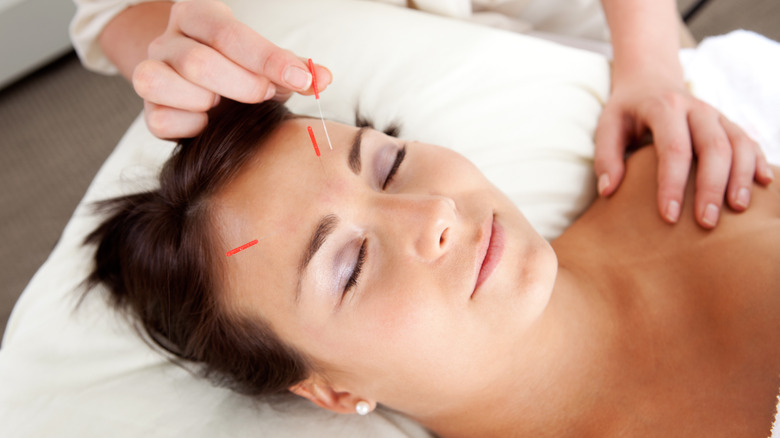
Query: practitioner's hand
[[682, 126], [205, 53]]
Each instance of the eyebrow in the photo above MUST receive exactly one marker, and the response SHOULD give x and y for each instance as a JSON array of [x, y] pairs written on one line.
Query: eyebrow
[[354, 152], [324, 228], [328, 223]]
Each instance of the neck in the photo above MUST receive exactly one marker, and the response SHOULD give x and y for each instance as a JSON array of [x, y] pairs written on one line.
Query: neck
[[555, 383], [638, 337]]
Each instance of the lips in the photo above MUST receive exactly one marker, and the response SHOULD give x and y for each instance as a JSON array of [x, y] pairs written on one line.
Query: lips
[[490, 250]]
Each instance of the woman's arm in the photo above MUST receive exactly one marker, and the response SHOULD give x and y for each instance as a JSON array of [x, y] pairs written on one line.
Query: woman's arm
[[125, 39], [181, 57], [649, 93]]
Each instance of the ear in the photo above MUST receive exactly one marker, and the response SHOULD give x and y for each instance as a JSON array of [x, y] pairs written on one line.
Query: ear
[[322, 393]]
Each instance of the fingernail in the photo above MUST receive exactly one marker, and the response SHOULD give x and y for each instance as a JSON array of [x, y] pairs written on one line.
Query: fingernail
[[710, 215], [672, 211], [216, 101], [770, 174], [297, 78], [603, 183], [270, 92], [743, 197]]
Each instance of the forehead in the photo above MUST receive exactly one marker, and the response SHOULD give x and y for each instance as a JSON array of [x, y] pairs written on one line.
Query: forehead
[[280, 182], [278, 198]]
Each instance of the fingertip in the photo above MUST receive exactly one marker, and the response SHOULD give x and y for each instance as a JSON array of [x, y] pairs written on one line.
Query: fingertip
[[740, 199], [607, 185], [710, 216], [609, 168], [609, 157], [764, 174], [609, 177], [297, 78], [172, 124], [327, 79], [270, 92], [603, 184], [769, 175], [671, 211]]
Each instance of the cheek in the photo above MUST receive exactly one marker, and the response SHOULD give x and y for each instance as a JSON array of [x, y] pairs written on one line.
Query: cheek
[[400, 318], [424, 346], [457, 167], [534, 282], [413, 329], [378, 331]]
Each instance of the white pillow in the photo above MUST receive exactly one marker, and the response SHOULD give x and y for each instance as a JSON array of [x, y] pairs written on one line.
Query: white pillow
[[524, 110]]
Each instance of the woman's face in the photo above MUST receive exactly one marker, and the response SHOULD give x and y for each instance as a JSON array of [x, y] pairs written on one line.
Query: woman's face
[[396, 266]]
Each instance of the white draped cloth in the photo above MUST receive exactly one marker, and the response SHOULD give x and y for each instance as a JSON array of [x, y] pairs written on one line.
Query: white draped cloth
[[578, 20]]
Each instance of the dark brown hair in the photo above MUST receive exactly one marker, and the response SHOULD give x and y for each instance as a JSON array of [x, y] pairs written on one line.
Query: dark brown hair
[[158, 254]]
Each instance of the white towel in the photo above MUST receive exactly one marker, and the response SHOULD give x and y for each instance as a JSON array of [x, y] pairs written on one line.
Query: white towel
[[739, 74]]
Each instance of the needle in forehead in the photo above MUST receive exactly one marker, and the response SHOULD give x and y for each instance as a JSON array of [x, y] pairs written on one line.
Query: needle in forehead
[[241, 248], [313, 140], [317, 97], [316, 148], [246, 245]]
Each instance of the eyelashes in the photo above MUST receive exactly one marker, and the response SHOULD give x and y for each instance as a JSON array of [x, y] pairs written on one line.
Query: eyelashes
[[399, 158], [361, 258]]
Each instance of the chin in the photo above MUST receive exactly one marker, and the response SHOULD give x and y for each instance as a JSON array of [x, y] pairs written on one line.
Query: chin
[[529, 267], [535, 280]]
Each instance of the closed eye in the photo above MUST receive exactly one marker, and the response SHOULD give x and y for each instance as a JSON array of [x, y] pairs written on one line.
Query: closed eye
[[353, 279], [399, 158]]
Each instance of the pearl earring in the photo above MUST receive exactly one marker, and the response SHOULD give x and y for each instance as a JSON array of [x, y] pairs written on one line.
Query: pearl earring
[[362, 407]]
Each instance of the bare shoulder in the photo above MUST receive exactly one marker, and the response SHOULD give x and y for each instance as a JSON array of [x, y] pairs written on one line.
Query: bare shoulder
[[629, 221], [763, 213], [744, 244], [640, 185]]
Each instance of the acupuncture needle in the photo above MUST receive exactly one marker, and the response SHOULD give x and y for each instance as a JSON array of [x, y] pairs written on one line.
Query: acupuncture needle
[[319, 106], [247, 245], [316, 148]]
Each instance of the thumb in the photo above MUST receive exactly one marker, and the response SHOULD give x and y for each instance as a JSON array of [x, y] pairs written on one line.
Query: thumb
[[612, 134]]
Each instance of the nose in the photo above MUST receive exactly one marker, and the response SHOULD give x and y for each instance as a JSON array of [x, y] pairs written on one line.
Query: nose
[[422, 225]]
